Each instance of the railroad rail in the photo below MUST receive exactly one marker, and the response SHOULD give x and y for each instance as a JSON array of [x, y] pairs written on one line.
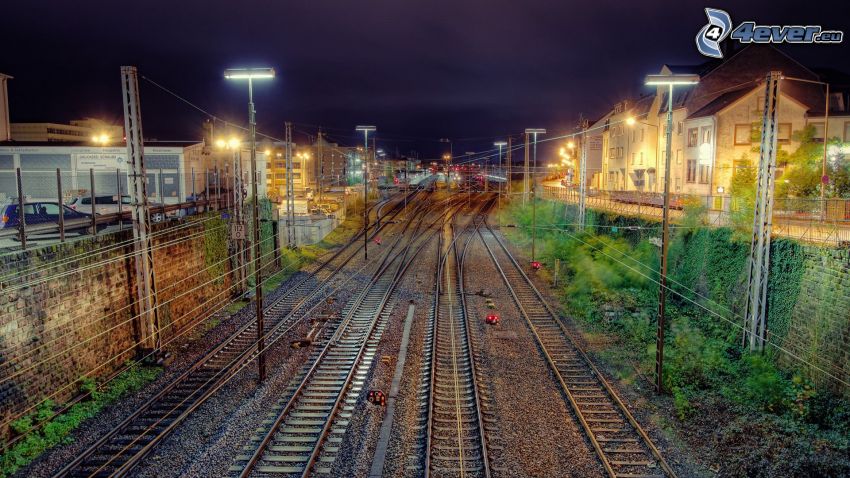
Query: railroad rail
[[307, 426], [456, 441], [121, 449], [622, 445]]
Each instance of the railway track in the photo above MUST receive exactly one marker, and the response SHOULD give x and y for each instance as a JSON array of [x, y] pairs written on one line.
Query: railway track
[[456, 440], [623, 447], [130, 441], [302, 435]]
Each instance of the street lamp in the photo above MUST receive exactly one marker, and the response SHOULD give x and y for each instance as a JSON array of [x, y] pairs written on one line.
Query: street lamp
[[252, 74], [670, 81], [365, 130], [534, 132]]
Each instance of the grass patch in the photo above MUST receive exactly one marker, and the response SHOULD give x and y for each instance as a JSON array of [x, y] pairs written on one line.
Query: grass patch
[[41, 432]]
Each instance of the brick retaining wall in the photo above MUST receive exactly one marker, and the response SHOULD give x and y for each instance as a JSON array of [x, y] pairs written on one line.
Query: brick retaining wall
[[77, 317]]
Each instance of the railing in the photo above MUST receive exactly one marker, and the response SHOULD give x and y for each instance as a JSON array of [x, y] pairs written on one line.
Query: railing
[[817, 221]]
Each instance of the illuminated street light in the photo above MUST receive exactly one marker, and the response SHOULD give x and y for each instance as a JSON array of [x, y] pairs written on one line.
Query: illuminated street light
[[100, 139], [630, 121], [365, 130], [670, 81], [571, 145], [251, 74]]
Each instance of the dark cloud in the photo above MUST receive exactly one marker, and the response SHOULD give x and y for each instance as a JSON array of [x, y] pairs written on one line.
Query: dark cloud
[[417, 69]]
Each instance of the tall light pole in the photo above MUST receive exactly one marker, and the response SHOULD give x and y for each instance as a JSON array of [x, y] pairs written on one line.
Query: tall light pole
[[534, 132], [252, 74], [448, 158], [670, 81], [500, 144], [365, 130]]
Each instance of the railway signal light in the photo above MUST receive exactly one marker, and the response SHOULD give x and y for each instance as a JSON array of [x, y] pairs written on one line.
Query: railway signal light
[[377, 397], [535, 265], [492, 319]]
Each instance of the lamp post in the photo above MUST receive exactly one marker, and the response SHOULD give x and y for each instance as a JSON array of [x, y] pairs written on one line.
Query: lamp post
[[365, 130], [670, 81], [534, 132], [252, 74], [500, 145]]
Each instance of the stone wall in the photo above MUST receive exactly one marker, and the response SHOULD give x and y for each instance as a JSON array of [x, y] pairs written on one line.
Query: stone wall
[[68, 309]]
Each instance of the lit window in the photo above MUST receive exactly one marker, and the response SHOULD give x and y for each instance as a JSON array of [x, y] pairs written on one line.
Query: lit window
[[691, 171], [693, 137], [706, 135], [818, 131], [743, 133], [784, 132]]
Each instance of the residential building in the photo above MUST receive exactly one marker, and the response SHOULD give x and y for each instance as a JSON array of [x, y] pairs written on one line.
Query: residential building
[[716, 122]]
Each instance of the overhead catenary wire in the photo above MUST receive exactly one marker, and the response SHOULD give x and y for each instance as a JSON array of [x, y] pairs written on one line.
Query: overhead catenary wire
[[713, 312], [141, 359], [100, 250], [27, 353], [150, 354], [23, 370]]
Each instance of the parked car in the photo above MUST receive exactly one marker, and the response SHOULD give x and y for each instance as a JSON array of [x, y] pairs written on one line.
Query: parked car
[[44, 212], [107, 204]]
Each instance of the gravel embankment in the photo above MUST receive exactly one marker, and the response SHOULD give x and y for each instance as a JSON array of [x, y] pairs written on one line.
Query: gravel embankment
[[649, 409], [538, 435]]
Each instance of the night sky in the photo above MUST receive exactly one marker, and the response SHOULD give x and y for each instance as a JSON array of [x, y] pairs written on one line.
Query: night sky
[[470, 70]]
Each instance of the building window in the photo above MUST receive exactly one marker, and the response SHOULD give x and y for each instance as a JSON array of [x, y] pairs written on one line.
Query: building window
[[847, 131], [693, 137], [743, 133], [678, 156], [279, 165], [706, 135], [634, 159], [703, 174], [680, 127], [784, 132], [611, 153], [818, 136], [692, 171], [641, 158]]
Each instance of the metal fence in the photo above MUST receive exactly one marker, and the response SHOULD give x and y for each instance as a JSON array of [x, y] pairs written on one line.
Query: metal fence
[[817, 221], [53, 205]]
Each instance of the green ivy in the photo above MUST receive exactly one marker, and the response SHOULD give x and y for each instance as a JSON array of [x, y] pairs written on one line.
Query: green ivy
[[215, 247], [56, 430]]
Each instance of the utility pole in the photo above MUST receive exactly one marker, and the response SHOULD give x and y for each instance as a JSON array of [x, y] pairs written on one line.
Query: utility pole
[[509, 162], [239, 219], [535, 132], [290, 190], [759, 263], [321, 163], [582, 177], [147, 324], [525, 185]]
